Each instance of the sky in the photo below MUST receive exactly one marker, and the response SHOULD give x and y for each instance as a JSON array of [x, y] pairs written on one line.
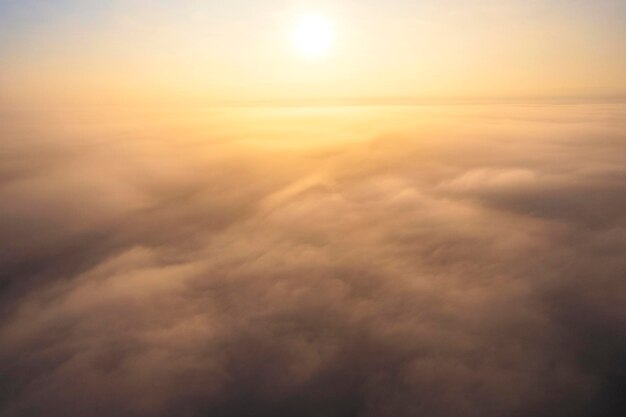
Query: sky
[[201, 52]]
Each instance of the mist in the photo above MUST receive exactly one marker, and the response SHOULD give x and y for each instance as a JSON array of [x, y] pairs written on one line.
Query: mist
[[437, 261]]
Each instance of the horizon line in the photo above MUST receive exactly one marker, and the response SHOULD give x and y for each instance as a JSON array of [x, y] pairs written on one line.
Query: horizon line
[[364, 101]]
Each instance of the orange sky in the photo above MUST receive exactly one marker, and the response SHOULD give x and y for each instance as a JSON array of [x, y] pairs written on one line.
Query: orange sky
[[192, 52]]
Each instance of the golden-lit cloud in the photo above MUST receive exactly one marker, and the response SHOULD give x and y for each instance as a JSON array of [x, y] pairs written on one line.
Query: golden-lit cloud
[[277, 208], [160, 264]]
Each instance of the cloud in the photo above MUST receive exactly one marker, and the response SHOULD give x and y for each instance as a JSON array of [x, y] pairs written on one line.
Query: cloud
[[477, 272]]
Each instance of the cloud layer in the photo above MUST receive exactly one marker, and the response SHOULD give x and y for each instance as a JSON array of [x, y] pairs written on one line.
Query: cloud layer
[[476, 270]]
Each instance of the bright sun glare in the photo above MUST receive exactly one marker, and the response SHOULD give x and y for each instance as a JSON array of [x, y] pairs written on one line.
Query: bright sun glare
[[313, 36]]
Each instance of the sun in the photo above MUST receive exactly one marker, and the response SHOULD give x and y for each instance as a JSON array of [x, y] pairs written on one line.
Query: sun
[[313, 36]]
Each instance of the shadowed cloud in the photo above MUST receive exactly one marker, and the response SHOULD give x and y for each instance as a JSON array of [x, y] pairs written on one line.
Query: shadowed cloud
[[476, 270]]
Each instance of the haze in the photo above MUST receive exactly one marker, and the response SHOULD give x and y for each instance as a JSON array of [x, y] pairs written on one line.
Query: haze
[[235, 209]]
